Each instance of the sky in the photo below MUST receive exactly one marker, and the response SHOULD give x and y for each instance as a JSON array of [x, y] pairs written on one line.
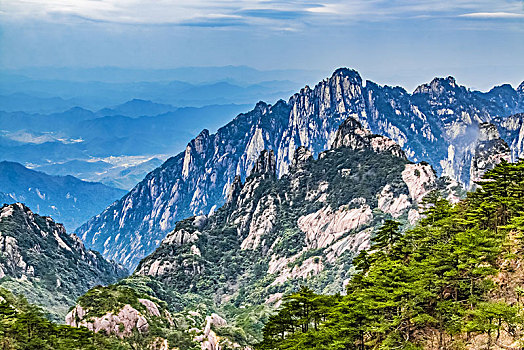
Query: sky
[[396, 42]]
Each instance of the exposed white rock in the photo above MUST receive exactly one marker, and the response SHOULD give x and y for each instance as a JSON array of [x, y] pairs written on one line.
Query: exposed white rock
[[274, 299], [263, 219], [388, 203], [6, 212], [121, 324], [490, 150], [309, 267], [420, 179], [413, 216], [208, 339], [151, 307], [354, 243], [180, 237], [325, 226]]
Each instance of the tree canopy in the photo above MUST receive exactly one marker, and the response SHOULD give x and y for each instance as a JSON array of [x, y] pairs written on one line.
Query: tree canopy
[[435, 286]]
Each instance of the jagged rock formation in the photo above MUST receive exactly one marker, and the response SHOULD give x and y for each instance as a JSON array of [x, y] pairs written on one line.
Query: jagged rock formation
[[208, 339], [512, 130], [274, 232], [350, 134], [132, 309], [431, 124], [468, 162], [490, 150], [39, 259], [121, 323]]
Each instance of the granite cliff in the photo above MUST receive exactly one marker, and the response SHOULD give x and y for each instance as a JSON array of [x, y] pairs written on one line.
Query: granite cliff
[[438, 123]]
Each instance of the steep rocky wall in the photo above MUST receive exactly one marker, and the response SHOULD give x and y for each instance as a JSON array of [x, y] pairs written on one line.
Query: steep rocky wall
[[437, 117]]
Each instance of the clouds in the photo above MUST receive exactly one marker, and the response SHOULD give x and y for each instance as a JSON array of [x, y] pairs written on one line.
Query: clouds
[[224, 13], [493, 15], [392, 40]]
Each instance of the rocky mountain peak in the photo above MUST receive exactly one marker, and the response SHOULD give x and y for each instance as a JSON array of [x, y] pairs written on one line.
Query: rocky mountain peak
[[503, 87], [55, 266], [200, 141], [265, 164], [351, 134], [425, 127], [262, 107], [349, 74], [437, 87]]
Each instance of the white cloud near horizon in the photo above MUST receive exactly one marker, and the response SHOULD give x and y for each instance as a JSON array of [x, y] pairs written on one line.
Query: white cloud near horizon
[[391, 41], [249, 12], [488, 15]]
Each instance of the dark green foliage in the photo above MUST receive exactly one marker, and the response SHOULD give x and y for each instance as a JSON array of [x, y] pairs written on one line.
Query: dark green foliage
[[387, 236], [434, 279], [23, 326], [101, 300]]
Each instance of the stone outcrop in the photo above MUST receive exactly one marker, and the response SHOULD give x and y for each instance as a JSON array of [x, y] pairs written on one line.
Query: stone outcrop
[[489, 151], [265, 164], [121, 323], [420, 180], [512, 131], [208, 339], [351, 134], [325, 226]]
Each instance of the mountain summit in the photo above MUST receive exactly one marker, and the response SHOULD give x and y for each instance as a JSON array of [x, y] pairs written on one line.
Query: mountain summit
[[434, 124]]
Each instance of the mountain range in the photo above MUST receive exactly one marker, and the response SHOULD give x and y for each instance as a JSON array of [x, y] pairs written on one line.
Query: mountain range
[[438, 123], [53, 90], [272, 235], [98, 146], [299, 192], [65, 198]]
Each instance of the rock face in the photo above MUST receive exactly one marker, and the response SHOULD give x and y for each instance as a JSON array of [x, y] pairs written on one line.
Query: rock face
[[512, 131], [434, 124], [351, 134], [468, 162], [38, 258], [309, 223], [122, 323], [208, 339], [490, 150]]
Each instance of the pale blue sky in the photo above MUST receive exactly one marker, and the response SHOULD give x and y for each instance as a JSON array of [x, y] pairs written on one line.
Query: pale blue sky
[[480, 42]]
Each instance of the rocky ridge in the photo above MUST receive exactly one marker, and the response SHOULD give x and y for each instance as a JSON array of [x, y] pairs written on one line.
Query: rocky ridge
[[307, 224], [425, 124], [50, 267]]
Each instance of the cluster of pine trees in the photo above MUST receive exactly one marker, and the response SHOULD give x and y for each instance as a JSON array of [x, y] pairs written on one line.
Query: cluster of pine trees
[[23, 326], [440, 285]]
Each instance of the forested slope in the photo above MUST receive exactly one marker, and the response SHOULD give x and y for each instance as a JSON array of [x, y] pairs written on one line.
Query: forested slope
[[452, 282]]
